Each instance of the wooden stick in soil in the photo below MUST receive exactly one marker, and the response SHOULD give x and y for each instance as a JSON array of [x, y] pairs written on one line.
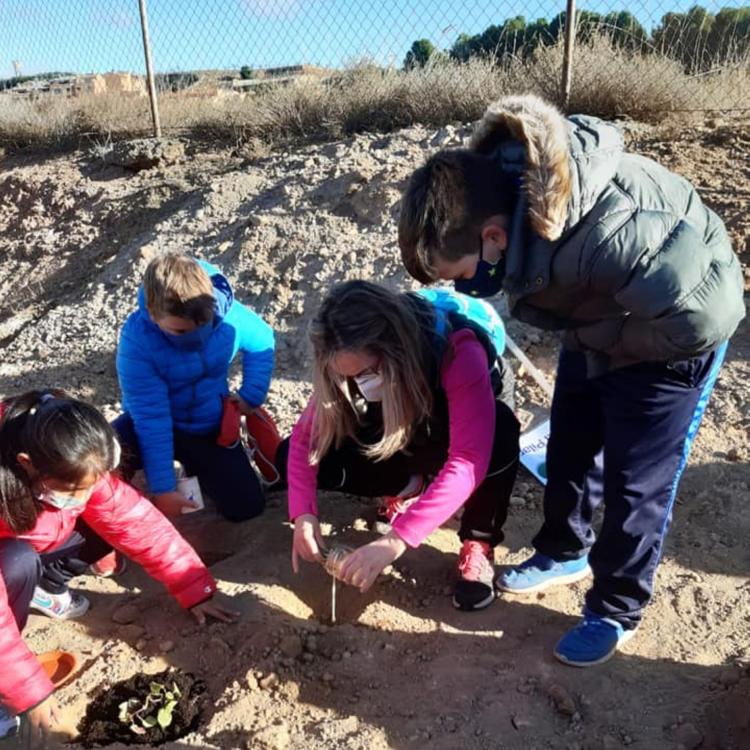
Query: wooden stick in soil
[[333, 600]]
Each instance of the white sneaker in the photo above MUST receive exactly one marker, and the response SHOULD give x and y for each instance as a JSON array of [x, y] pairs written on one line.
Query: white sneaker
[[8, 724], [66, 606]]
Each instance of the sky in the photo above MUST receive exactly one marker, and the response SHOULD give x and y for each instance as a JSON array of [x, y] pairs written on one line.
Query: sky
[[85, 36]]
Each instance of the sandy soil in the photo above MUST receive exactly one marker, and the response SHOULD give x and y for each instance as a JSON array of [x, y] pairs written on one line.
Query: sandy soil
[[403, 669]]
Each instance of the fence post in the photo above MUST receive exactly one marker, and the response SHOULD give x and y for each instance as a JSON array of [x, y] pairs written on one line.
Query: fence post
[[149, 70], [570, 39]]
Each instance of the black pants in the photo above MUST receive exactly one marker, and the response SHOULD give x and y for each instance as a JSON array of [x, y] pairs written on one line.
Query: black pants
[[622, 439], [23, 569], [346, 469], [225, 474]]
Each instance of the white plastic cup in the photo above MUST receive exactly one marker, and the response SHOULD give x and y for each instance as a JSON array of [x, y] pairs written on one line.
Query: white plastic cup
[[190, 488]]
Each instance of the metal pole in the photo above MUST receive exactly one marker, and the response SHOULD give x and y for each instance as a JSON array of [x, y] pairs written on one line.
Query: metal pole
[[149, 70], [570, 40]]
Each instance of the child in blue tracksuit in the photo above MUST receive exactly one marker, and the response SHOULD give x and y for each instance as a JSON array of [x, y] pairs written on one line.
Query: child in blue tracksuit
[[173, 362]]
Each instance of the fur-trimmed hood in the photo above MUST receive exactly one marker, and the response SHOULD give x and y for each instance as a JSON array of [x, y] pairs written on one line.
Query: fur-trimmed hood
[[563, 163]]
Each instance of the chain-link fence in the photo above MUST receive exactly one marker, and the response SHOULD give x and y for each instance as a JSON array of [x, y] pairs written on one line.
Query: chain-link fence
[[659, 55]]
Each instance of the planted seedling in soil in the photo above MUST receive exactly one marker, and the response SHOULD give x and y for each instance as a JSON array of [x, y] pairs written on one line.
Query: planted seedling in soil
[[146, 709], [157, 708]]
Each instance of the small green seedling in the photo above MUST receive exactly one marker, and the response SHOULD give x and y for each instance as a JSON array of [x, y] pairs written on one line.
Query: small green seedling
[[156, 708]]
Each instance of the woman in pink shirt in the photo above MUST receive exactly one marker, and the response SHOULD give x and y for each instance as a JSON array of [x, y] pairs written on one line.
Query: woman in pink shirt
[[406, 406]]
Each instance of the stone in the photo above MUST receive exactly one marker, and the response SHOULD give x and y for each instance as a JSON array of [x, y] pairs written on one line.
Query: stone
[[291, 646], [274, 737], [132, 632], [270, 681], [688, 736], [251, 680], [166, 646], [144, 153], [729, 676], [733, 455], [327, 677], [291, 691], [126, 614], [520, 722], [562, 699]]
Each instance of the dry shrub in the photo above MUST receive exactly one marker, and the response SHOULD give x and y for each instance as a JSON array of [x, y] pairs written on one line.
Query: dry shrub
[[607, 81], [610, 81]]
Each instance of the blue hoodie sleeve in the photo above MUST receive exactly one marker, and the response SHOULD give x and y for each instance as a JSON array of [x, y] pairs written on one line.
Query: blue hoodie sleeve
[[146, 397], [256, 342]]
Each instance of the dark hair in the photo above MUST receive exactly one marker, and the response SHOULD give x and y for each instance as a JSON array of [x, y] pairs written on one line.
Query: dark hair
[[444, 206], [65, 439]]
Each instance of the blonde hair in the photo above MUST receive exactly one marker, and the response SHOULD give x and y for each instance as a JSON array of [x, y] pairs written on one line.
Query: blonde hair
[[359, 316], [175, 284]]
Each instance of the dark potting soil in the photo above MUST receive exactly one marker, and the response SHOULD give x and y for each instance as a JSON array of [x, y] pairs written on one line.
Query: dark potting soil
[[102, 726]]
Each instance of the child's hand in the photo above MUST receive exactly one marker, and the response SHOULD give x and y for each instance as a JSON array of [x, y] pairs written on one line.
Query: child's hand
[[245, 408], [172, 503], [210, 608], [364, 565], [307, 541], [39, 724]]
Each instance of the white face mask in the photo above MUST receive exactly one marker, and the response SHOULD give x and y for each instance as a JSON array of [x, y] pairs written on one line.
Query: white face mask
[[370, 385], [62, 501]]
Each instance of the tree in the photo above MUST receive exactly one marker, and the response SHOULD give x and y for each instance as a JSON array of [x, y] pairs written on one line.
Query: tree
[[729, 38], [421, 51], [624, 29], [246, 73], [684, 36]]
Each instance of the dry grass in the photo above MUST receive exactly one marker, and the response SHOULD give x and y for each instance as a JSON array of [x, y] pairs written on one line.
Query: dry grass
[[607, 82]]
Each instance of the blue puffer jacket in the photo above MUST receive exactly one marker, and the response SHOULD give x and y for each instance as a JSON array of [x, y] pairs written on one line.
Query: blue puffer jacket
[[166, 387]]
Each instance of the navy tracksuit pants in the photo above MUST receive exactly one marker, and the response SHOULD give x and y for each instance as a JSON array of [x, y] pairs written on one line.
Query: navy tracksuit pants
[[225, 474], [621, 439], [23, 569]]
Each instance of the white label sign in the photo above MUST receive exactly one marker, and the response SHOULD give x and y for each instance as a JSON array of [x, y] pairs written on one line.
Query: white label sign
[[534, 450]]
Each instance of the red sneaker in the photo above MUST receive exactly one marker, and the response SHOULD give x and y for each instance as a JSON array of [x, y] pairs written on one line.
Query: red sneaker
[[392, 506], [474, 587], [113, 564], [262, 441]]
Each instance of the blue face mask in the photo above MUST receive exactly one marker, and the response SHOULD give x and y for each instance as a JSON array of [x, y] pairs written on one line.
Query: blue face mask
[[487, 279], [192, 341]]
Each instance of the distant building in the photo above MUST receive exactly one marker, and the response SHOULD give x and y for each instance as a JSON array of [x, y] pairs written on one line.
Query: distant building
[[125, 84], [109, 83]]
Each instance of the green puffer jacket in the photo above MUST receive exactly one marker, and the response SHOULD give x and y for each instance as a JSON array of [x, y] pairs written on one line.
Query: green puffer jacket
[[609, 247]]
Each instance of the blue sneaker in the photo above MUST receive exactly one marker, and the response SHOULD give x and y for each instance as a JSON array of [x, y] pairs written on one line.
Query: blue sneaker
[[593, 641], [9, 723], [540, 572]]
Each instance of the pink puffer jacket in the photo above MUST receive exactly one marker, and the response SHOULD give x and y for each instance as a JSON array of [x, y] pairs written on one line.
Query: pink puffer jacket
[[131, 524]]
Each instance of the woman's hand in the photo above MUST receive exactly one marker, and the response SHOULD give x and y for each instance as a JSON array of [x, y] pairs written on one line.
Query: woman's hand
[[38, 724], [210, 608], [172, 503], [307, 542], [364, 565]]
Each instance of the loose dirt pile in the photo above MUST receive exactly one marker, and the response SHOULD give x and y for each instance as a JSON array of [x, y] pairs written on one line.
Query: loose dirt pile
[[403, 669]]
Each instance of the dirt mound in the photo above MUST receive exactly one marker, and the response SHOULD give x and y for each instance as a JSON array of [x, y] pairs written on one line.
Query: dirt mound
[[403, 669]]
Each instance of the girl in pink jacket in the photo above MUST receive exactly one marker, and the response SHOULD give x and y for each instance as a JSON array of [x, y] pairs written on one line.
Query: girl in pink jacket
[[62, 509], [407, 405]]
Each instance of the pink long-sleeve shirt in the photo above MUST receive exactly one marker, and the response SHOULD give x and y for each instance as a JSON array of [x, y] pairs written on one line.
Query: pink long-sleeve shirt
[[465, 378]]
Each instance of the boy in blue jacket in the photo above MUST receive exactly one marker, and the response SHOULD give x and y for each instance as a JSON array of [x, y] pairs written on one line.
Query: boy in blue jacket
[[173, 363]]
